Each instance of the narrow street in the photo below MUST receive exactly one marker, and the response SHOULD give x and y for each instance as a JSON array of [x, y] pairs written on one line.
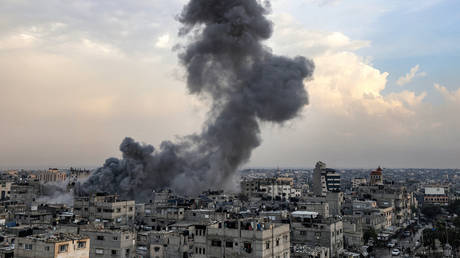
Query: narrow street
[[402, 244]]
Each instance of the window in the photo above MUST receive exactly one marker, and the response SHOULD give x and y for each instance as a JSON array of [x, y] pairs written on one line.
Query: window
[[277, 242], [157, 249], [127, 237], [267, 245], [100, 237], [247, 247], [99, 251], [115, 238], [63, 248], [28, 246], [47, 248], [81, 244], [114, 252], [130, 208], [216, 243], [229, 244]]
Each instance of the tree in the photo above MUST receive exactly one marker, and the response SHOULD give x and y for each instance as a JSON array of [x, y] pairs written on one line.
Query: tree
[[429, 237], [454, 207], [369, 234], [431, 211]]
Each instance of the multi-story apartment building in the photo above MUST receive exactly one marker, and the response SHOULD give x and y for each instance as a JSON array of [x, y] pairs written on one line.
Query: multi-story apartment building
[[52, 246], [309, 228], [105, 209], [111, 242], [325, 180], [159, 217], [276, 188], [25, 192], [245, 238]]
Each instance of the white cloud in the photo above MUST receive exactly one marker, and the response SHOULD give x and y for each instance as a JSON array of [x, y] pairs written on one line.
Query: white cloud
[[291, 38], [414, 72], [451, 96], [163, 41]]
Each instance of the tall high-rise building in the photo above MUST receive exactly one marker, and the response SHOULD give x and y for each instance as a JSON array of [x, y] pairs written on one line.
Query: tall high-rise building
[[325, 180]]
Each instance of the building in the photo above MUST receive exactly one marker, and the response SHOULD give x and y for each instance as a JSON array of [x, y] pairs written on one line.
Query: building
[[52, 175], [309, 228], [275, 188], [322, 208], [376, 177], [356, 182], [325, 180], [58, 245], [25, 192], [111, 242], [5, 190], [245, 238], [105, 209], [305, 251], [353, 231], [435, 196]]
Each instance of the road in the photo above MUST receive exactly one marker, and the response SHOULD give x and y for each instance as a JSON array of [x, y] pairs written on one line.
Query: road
[[402, 244]]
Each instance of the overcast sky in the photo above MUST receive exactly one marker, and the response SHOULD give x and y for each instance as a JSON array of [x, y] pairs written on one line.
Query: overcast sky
[[76, 77]]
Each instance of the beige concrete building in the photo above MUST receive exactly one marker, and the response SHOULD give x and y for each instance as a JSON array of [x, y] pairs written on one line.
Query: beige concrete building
[[57, 245]]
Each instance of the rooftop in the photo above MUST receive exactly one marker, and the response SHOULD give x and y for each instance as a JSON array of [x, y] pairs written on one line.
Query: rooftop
[[434, 191], [56, 238]]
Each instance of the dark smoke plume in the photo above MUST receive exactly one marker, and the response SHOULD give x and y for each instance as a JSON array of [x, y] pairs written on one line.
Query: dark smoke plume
[[225, 61]]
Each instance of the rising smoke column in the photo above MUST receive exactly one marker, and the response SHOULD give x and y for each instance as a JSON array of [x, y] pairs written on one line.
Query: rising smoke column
[[227, 63]]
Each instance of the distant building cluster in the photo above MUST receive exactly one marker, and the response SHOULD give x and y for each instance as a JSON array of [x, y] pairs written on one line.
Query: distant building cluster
[[295, 213]]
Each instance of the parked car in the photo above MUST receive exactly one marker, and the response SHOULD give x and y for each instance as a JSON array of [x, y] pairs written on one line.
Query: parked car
[[392, 243], [407, 233], [395, 252]]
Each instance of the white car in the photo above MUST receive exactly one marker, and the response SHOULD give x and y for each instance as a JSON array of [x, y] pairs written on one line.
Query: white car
[[395, 252], [391, 244]]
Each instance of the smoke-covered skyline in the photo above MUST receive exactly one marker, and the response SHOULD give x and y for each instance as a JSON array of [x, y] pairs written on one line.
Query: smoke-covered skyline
[[226, 62]]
